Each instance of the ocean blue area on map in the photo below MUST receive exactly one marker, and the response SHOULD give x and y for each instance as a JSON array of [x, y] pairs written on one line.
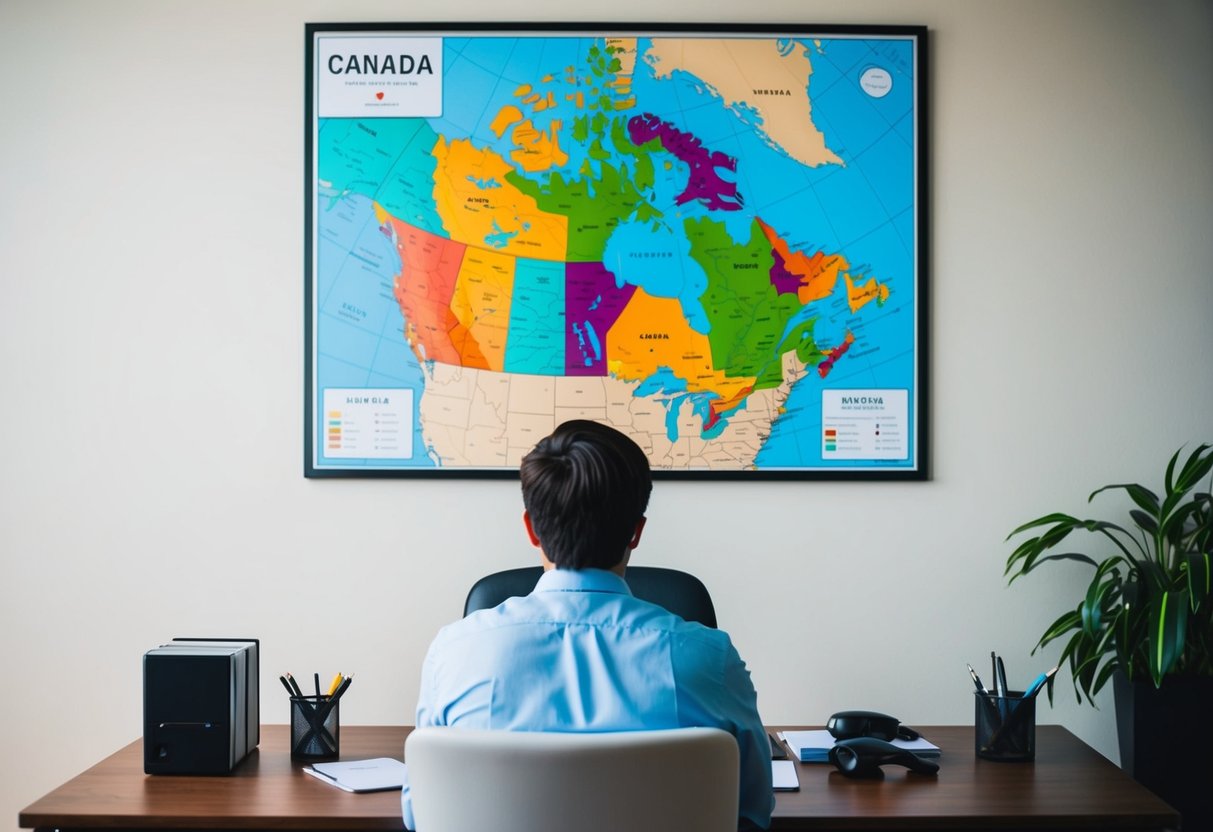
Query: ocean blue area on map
[[532, 58], [464, 116], [886, 158], [674, 276], [356, 265]]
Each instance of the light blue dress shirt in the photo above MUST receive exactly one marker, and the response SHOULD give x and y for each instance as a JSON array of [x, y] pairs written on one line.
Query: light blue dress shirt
[[580, 653]]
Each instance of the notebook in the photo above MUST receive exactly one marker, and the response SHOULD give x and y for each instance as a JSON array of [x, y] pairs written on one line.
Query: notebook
[[375, 775]]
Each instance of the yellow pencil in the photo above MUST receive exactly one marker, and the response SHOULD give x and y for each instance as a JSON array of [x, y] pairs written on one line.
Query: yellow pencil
[[336, 683]]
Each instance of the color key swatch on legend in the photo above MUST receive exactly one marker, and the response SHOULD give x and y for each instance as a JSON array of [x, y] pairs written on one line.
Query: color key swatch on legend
[[368, 423]]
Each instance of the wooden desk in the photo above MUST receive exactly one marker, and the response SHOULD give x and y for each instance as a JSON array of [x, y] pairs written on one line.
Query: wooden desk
[[1069, 786]]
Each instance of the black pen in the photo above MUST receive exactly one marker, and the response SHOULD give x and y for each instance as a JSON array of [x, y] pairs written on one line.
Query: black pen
[[1000, 686], [976, 680], [286, 685], [316, 680], [294, 685]]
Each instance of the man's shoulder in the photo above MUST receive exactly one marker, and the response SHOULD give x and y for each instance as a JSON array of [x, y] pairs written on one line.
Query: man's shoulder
[[472, 623], [581, 609]]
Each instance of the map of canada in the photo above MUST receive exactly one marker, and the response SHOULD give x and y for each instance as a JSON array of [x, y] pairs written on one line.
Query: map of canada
[[707, 242]]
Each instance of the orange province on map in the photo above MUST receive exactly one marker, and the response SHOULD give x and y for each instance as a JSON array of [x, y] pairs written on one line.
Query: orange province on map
[[480, 208], [652, 333], [534, 150], [814, 277], [455, 298]]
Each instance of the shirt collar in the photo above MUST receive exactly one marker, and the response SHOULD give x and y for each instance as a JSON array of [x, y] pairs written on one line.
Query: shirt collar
[[582, 580]]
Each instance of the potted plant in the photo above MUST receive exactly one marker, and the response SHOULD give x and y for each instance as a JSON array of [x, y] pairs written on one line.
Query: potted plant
[[1145, 621]]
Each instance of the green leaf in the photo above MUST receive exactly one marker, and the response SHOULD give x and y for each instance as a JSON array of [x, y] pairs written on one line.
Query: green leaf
[[1084, 664], [1176, 526], [1199, 566], [1047, 520], [1104, 675], [1098, 592], [1168, 480], [1071, 620], [1153, 577], [1168, 621], [1195, 469], [1141, 495], [1024, 559], [1145, 520], [1077, 556]]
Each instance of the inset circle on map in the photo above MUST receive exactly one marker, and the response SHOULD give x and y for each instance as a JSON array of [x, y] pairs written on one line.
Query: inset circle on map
[[876, 81]]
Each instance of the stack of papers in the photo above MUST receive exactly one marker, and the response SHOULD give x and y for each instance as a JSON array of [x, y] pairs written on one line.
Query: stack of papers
[[377, 775], [814, 746]]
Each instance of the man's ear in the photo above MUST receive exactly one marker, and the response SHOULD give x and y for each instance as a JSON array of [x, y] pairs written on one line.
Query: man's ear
[[639, 530], [530, 530]]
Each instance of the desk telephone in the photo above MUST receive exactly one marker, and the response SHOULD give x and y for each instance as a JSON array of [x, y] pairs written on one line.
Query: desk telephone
[[863, 744]]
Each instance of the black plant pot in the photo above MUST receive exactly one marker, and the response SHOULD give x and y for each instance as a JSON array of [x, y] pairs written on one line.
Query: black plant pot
[[1166, 741]]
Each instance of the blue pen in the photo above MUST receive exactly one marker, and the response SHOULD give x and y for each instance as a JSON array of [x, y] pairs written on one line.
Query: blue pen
[[1038, 683]]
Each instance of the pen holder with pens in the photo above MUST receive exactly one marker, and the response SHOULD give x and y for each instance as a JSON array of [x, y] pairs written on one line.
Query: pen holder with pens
[[1005, 727], [315, 727]]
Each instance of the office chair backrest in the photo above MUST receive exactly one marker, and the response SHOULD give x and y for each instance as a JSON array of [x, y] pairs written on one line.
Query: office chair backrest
[[516, 781], [679, 592]]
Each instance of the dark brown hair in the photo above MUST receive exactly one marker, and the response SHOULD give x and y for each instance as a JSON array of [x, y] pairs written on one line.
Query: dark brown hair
[[585, 487]]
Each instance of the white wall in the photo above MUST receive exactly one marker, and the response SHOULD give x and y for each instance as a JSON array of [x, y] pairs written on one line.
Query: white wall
[[152, 368]]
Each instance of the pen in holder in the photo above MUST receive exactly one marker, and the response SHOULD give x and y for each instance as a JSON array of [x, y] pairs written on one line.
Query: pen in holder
[[1005, 726], [315, 727]]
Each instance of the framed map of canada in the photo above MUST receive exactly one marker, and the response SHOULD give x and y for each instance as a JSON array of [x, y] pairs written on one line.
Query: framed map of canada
[[712, 237]]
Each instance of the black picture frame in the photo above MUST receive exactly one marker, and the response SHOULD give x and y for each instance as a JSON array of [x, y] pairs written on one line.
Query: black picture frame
[[348, 91]]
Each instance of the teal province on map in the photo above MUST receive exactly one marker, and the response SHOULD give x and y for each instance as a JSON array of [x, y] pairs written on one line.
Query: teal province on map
[[708, 243]]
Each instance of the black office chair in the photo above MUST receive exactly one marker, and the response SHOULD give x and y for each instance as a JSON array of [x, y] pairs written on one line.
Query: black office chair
[[679, 592]]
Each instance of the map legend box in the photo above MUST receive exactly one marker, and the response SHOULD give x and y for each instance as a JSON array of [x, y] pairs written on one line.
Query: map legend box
[[368, 423], [865, 424]]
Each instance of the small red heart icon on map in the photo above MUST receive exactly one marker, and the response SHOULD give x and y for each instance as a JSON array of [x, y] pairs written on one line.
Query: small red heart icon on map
[[379, 95]]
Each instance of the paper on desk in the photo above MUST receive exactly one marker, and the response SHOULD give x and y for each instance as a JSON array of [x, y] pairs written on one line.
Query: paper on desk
[[375, 775], [814, 746], [783, 776]]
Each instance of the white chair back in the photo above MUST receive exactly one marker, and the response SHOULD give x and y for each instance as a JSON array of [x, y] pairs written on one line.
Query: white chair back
[[633, 781]]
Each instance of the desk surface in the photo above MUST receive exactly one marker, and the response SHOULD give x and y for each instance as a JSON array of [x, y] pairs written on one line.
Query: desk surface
[[1069, 786]]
